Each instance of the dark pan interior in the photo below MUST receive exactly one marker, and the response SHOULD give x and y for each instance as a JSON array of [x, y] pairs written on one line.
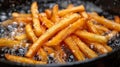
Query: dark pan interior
[[23, 6]]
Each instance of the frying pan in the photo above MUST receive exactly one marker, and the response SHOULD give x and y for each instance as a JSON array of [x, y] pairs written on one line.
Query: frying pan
[[108, 8]]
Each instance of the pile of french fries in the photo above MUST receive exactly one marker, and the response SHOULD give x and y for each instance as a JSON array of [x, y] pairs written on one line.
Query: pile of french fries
[[83, 33]]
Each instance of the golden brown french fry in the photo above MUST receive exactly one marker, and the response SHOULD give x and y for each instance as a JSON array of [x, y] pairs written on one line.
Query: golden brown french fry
[[70, 6], [107, 23], [30, 33], [111, 34], [84, 14], [42, 54], [74, 9], [48, 13], [49, 50], [7, 22], [84, 48], [60, 54], [91, 36], [15, 14], [8, 43], [91, 27], [102, 28], [56, 53], [66, 32], [74, 48], [48, 23], [117, 19], [23, 19], [100, 48], [21, 37], [97, 47], [22, 59], [36, 22], [49, 33], [55, 17], [43, 14], [108, 48]]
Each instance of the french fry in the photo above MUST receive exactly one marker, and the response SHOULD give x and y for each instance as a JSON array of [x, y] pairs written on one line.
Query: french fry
[[65, 32], [8, 43], [100, 48], [102, 28], [23, 19], [48, 23], [15, 14], [49, 33], [55, 17], [36, 23], [49, 50], [42, 54], [108, 48], [107, 23], [22, 59], [74, 9], [21, 37], [43, 14], [7, 22], [111, 34], [84, 48], [30, 33], [56, 53], [74, 48], [48, 13], [60, 54], [70, 6], [91, 36], [117, 19], [84, 14], [91, 27]]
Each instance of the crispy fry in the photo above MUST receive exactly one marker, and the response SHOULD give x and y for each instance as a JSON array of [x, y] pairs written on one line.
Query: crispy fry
[[107, 23], [43, 14], [15, 14], [70, 6], [84, 14], [108, 48], [65, 32], [74, 48], [7, 22], [111, 34], [84, 48], [21, 37], [91, 37], [50, 32], [74, 9], [36, 22], [48, 23], [56, 53], [117, 19], [102, 28], [23, 19], [42, 54], [49, 50], [48, 13], [8, 43], [60, 54], [30, 33], [55, 17], [22, 59], [91, 27], [100, 48]]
